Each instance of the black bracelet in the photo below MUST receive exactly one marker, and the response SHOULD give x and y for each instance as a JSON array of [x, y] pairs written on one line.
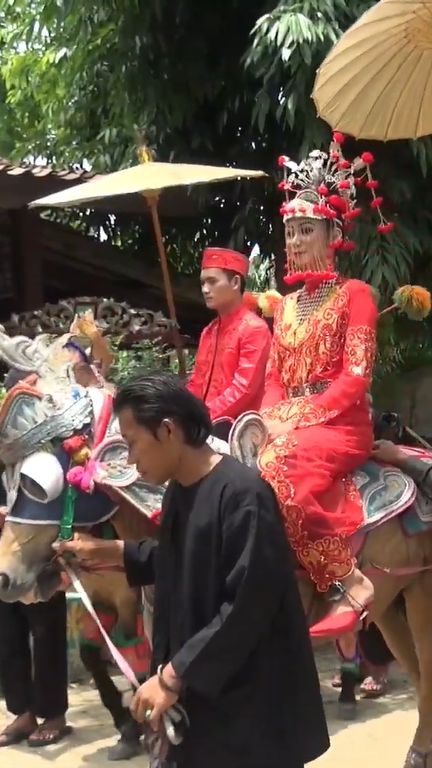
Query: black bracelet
[[163, 683]]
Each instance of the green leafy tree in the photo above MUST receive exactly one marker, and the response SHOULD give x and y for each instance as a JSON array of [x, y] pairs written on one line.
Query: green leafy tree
[[142, 357], [206, 82]]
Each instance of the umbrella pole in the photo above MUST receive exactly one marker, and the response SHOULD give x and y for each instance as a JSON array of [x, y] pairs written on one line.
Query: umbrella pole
[[152, 202]]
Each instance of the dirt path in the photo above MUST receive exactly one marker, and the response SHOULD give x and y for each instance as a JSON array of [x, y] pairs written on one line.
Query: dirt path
[[379, 738]]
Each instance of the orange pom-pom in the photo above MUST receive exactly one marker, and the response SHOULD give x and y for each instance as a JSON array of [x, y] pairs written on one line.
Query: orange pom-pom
[[268, 302], [414, 300], [250, 300]]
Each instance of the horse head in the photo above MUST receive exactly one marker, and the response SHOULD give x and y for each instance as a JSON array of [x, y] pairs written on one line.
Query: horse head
[[53, 427]]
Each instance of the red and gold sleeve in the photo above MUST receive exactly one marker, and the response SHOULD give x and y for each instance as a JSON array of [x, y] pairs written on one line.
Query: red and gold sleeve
[[274, 390], [359, 353]]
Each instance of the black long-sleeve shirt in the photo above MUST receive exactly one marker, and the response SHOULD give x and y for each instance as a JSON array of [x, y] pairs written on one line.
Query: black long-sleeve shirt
[[228, 616]]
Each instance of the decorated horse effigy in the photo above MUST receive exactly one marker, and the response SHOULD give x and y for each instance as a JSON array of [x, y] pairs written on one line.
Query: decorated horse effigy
[[65, 469]]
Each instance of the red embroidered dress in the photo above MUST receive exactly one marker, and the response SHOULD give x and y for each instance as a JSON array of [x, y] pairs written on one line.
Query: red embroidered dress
[[317, 380], [230, 364]]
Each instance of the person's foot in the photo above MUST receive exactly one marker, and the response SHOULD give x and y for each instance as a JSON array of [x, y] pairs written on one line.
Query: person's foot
[[49, 732], [125, 749], [19, 730], [347, 611], [374, 686]]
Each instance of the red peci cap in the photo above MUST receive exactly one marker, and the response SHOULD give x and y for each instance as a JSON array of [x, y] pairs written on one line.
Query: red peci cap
[[225, 258]]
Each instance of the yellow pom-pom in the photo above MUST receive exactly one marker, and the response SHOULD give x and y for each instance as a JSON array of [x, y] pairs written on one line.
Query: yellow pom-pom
[[268, 302], [413, 300], [82, 456]]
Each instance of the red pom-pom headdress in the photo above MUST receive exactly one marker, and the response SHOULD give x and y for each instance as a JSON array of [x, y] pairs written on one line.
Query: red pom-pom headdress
[[324, 186]]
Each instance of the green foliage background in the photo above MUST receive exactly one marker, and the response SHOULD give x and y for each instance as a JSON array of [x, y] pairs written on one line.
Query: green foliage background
[[203, 81]]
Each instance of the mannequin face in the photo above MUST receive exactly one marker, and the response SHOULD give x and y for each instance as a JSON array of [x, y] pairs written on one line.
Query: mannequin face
[[307, 244]]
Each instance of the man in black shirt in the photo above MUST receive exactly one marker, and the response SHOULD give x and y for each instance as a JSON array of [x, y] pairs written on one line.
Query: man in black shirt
[[33, 659], [229, 637]]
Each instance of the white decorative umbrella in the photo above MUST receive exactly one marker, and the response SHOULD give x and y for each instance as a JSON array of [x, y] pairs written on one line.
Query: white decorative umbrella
[[376, 83], [149, 179]]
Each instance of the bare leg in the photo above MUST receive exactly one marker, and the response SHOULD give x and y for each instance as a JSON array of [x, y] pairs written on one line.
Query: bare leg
[[418, 599], [359, 592]]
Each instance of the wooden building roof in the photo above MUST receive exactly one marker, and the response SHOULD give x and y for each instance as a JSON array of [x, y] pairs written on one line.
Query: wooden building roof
[[20, 184]]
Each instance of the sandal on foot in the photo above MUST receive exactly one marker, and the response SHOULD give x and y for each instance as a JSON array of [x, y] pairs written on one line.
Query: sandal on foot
[[44, 736], [374, 687]]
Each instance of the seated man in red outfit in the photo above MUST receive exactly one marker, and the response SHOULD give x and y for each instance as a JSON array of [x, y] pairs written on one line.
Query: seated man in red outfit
[[233, 349]]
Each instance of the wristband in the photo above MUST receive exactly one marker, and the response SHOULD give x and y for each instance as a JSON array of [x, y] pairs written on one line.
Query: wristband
[[163, 683]]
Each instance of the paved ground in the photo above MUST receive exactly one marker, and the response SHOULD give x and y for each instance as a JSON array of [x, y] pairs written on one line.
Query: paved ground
[[380, 737]]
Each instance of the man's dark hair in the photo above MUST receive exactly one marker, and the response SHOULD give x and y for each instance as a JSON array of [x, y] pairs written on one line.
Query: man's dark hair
[[231, 275], [385, 422], [389, 425], [158, 396]]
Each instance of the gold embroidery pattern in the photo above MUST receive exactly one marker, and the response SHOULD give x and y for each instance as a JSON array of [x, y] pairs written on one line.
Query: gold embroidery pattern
[[299, 412], [327, 559], [360, 350], [351, 491], [312, 350]]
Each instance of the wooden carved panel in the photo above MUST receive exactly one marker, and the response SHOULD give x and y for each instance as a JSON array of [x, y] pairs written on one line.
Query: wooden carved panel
[[113, 318]]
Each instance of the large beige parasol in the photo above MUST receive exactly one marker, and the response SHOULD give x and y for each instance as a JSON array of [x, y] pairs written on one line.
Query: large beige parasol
[[148, 179], [376, 83]]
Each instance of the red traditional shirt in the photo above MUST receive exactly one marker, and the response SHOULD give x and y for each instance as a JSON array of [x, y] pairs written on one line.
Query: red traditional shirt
[[230, 364]]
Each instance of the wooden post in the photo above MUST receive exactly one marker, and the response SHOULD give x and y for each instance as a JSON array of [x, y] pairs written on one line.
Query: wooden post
[[152, 202], [26, 262]]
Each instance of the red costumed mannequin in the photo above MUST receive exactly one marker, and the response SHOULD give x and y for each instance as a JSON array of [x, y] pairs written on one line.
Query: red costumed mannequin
[[233, 349], [316, 404]]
